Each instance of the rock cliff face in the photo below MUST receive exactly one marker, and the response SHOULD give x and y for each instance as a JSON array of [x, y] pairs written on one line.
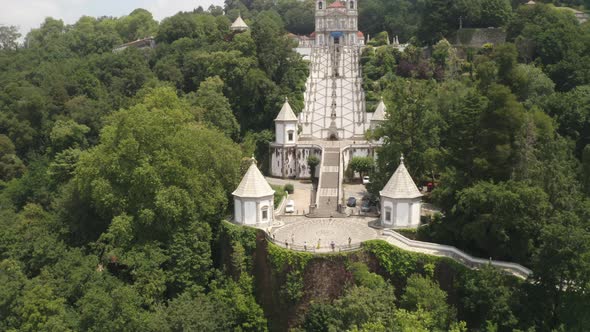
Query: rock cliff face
[[321, 279], [287, 282]]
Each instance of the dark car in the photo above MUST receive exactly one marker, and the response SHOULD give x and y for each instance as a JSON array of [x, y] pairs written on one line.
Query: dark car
[[351, 202], [366, 206]]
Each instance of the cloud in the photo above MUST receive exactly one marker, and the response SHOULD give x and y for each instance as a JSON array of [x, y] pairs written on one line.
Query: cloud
[[30, 14]]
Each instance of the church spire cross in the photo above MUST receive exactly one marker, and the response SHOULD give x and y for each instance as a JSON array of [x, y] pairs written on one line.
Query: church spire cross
[[401, 159]]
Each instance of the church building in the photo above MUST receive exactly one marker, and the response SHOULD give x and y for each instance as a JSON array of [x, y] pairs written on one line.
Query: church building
[[334, 121], [334, 100]]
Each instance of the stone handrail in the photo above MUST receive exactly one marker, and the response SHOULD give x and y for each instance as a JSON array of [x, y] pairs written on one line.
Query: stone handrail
[[317, 192], [282, 205], [457, 255], [312, 248]]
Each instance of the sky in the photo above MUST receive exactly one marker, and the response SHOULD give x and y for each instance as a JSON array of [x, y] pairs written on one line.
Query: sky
[[28, 14]]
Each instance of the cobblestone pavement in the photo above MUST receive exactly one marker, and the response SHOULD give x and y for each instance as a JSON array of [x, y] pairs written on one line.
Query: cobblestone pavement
[[298, 230]]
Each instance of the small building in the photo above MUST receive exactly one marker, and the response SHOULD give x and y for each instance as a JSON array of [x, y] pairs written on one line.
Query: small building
[[401, 201], [145, 43], [286, 125], [239, 25], [253, 199]]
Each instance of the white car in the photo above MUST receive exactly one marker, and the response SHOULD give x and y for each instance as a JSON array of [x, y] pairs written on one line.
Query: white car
[[366, 179], [290, 207]]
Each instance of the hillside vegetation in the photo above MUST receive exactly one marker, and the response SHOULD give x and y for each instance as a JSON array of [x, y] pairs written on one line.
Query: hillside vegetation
[[116, 172]]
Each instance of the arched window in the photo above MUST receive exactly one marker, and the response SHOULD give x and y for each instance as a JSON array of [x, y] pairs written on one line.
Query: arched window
[[290, 135], [388, 215], [320, 5], [352, 5]]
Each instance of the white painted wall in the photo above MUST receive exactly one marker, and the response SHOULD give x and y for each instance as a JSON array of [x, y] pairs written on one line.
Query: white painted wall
[[416, 209], [249, 213], [403, 215], [405, 212], [288, 127], [280, 132], [238, 211]]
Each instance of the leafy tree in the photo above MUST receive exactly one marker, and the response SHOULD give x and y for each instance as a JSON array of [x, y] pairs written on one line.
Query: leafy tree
[[495, 13], [503, 220], [437, 20], [566, 248], [424, 294], [139, 24], [180, 314], [362, 165], [271, 46], [160, 187], [361, 305], [12, 282], [313, 161], [10, 164], [109, 305], [501, 122], [68, 134], [486, 298], [411, 128], [41, 310], [215, 107], [9, 36]]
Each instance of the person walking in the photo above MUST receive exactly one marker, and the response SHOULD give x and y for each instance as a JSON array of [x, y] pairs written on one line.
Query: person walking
[[349, 241], [305, 245], [333, 245]]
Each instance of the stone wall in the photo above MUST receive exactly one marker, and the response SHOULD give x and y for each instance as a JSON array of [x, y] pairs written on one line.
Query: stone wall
[[291, 162], [478, 37]]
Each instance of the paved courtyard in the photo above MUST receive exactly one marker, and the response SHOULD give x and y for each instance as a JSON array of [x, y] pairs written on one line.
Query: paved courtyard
[[299, 230]]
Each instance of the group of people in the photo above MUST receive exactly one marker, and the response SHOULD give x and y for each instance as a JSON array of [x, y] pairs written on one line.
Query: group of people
[[305, 245]]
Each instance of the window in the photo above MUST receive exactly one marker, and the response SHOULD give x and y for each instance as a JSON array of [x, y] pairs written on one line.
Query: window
[[265, 213], [352, 5], [290, 135], [388, 214], [320, 5]]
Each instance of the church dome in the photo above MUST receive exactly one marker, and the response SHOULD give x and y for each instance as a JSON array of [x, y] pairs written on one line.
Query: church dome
[[286, 114], [253, 184], [239, 25], [401, 185]]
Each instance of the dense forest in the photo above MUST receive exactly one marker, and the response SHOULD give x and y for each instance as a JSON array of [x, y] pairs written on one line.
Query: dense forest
[[116, 170]]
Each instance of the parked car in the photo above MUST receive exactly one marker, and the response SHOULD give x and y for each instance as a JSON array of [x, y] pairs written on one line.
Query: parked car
[[366, 179], [290, 207], [366, 206], [351, 202]]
